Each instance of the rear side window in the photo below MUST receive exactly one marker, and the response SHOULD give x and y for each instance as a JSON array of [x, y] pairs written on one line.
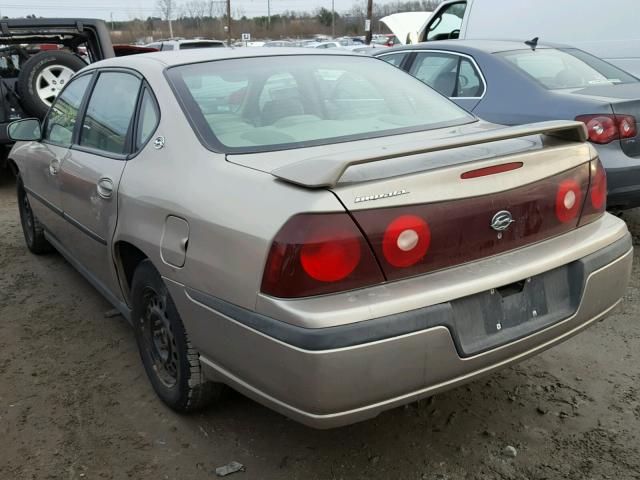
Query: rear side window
[[394, 59], [62, 117], [438, 70], [147, 120], [469, 81], [449, 74], [109, 112]]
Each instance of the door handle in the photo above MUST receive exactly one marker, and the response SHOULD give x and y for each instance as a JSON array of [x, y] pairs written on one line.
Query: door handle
[[105, 187], [54, 166]]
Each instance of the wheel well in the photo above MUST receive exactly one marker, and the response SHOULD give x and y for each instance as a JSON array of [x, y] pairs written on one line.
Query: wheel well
[[128, 257], [13, 167]]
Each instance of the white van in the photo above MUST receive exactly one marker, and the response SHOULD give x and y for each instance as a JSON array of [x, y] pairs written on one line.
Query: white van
[[608, 30]]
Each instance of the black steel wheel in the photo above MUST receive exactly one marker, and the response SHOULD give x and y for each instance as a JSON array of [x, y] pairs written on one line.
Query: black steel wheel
[[171, 362], [159, 341]]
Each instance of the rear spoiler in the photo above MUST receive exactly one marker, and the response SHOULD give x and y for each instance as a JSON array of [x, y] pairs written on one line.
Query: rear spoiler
[[326, 171]]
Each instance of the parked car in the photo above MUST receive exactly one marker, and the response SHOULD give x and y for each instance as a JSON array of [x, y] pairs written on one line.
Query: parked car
[[386, 40], [304, 42], [324, 45], [316, 229], [279, 43], [513, 83], [609, 32], [37, 57], [185, 44], [351, 40]]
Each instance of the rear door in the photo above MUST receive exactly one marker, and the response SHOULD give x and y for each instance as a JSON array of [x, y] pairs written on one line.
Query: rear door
[[41, 176], [454, 75], [91, 173]]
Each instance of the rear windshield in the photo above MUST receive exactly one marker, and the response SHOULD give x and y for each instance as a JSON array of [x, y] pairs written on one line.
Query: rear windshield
[[566, 68], [279, 102]]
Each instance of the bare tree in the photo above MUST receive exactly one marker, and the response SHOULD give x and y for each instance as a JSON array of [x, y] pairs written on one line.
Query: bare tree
[[167, 11], [215, 8], [196, 9]]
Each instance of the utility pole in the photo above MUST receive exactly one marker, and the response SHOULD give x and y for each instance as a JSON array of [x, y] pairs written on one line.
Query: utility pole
[[111, 21], [229, 23], [268, 14], [333, 18], [367, 25]]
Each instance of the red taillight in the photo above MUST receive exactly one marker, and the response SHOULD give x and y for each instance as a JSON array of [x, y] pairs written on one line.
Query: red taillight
[[406, 240], [595, 207], [319, 253], [627, 126], [330, 256], [417, 239], [602, 128], [598, 190], [606, 128], [568, 201]]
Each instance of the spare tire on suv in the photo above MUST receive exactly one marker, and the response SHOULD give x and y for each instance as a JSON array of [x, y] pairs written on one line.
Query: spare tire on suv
[[43, 76]]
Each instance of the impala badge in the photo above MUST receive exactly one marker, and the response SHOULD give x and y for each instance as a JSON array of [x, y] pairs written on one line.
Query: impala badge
[[378, 196], [501, 220]]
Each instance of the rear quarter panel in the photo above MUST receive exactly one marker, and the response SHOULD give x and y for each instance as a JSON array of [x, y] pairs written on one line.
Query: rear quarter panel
[[233, 212]]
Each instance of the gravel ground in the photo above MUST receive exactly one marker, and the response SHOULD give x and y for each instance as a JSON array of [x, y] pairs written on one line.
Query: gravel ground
[[75, 402]]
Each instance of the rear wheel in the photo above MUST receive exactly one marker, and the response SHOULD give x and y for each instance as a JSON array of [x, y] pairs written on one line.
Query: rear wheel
[[171, 362], [31, 227]]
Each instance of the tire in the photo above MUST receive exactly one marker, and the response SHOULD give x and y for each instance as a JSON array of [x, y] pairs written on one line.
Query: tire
[[171, 362], [31, 227], [42, 77]]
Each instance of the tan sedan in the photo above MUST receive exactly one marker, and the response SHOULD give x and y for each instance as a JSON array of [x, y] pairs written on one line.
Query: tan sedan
[[318, 230]]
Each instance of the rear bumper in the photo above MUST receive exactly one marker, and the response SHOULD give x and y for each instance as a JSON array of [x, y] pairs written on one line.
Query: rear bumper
[[324, 386]]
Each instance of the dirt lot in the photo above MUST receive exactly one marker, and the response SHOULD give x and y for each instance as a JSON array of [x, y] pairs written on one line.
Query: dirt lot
[[75, 402]]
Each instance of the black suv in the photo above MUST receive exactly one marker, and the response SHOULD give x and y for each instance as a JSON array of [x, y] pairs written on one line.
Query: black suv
[[37, 57]]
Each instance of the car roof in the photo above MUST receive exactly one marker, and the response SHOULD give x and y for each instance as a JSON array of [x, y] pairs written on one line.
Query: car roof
[[474, 46], [181, 57]]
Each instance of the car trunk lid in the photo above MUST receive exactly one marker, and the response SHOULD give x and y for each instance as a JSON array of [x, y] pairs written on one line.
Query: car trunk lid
[[462, 198]]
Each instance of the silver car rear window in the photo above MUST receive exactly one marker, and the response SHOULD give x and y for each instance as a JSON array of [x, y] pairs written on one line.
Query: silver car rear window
[[279, 102]]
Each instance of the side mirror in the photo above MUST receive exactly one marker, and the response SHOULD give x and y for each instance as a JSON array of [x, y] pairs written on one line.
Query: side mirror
[[27, 129]]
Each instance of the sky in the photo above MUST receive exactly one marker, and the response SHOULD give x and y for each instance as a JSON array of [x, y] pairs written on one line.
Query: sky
[[128, 9]]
